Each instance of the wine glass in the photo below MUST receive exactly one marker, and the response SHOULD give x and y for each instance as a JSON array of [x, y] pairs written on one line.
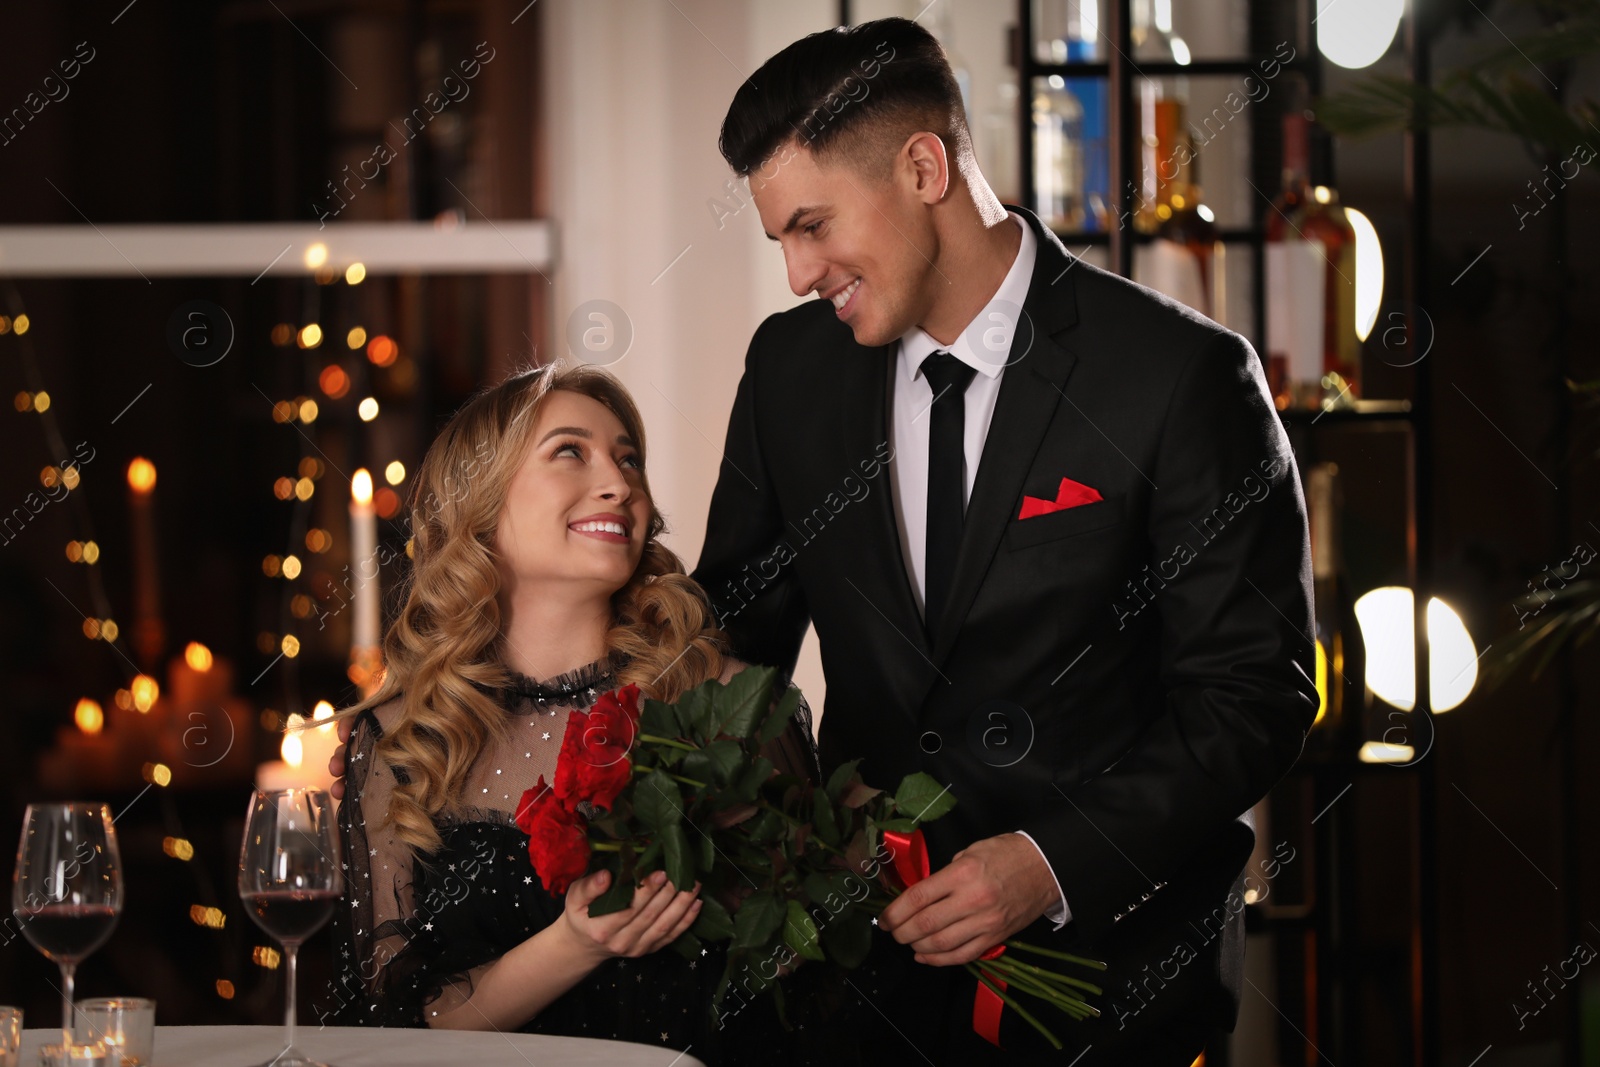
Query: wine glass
[[289, 879], [67, 891]]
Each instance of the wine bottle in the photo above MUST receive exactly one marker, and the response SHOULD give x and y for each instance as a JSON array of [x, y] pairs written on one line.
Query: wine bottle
[[1186, 259], [1295, 283], [1312, 256]]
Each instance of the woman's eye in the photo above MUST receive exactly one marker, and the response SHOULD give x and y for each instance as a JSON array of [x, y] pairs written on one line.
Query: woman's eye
[[812, 228], [635, 461], [564, 448]]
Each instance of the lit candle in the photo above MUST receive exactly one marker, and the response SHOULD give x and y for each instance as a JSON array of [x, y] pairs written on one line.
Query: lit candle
[[149, 637], [306, 749], [364, 562]]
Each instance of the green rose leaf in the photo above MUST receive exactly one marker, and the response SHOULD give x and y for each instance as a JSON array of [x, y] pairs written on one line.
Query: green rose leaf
[[921, 798], [781, 714], [657, 802], [848, 937], [743, 699], [680, 863], [800, 932], [840, 778], [714, 924], [757, 919]]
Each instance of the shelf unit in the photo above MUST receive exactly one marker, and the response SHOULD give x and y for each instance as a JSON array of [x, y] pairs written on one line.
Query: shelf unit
[[1412, 418], [1325, 779]]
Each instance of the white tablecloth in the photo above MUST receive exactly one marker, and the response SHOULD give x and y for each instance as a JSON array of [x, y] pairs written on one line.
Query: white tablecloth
[[356, 1046]]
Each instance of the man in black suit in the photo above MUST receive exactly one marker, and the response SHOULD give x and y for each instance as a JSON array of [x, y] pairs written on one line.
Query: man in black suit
[[1051, 535]]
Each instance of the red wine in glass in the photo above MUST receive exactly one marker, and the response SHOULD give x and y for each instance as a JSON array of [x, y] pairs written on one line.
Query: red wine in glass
[[67, 891], [291, 915], [289, 880], [68, 931]]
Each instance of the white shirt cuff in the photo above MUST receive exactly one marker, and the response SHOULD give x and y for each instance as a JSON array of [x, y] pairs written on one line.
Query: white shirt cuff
[[1060, 914]]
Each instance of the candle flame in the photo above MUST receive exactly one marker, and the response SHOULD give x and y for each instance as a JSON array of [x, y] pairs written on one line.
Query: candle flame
[[292, 749], [141, 475], [361, 487], [197, 656], [89, 717], [145, 691]]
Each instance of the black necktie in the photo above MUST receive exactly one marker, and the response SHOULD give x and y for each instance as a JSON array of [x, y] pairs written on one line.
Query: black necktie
[[949, 378]]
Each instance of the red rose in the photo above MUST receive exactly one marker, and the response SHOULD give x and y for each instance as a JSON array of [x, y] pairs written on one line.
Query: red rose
[[593, 764], [558, 844]]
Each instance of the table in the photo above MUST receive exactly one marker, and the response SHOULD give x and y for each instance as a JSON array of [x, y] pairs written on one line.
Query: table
[[359, 1046]]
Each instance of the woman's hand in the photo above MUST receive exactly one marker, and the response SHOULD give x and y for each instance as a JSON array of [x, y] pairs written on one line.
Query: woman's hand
[[659, 914]]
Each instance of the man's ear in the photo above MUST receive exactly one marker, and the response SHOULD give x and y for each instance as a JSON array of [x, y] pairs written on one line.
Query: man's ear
[[925, 166]]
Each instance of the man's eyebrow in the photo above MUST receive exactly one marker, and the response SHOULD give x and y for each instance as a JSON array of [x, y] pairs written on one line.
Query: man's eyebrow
[[799, 212], [579, 431]]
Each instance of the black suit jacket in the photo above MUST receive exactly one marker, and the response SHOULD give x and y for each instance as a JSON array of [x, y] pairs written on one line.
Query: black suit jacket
[[1122, 679]]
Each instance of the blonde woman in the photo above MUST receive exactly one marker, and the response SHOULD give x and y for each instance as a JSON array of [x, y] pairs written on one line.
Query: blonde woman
[[538, 582]]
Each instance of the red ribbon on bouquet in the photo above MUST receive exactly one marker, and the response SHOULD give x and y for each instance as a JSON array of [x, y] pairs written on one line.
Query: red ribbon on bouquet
[[909, 865]]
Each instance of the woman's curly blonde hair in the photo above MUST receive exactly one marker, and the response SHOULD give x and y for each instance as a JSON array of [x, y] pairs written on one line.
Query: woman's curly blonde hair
[[447, 640]]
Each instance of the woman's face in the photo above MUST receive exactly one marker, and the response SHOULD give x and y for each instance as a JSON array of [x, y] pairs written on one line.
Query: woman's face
[[576, 510]]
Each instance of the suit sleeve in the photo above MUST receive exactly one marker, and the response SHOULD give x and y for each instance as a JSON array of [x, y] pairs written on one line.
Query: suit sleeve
[[1236, 656], [765, 619]]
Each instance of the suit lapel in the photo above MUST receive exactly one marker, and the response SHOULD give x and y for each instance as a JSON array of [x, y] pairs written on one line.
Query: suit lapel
[[1030, 390], [881, 576]]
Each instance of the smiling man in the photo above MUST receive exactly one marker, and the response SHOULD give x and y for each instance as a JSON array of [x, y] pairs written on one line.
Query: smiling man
[[1050, 430]]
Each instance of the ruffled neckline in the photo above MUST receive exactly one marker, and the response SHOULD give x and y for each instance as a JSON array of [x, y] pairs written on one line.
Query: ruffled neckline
[[579, 686]]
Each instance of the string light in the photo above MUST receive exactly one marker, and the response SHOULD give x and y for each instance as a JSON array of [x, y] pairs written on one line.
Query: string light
[[368, 409], [89, 716], [356, 337], [355, 274], [395, 473]]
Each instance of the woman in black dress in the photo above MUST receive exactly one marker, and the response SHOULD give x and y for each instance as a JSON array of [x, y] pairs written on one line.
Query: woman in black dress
[[538, 582]]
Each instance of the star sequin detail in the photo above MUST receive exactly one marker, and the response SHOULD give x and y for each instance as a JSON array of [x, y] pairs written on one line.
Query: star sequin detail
[[547, 735]]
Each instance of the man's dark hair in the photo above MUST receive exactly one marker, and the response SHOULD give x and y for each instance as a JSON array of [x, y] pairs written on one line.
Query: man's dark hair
[[850, 94]]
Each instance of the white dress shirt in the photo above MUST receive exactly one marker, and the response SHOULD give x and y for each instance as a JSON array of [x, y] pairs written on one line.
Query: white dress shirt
[[985, 346]]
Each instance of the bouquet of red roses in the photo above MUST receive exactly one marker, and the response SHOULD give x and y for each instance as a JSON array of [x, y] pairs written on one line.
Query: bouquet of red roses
[[788, 868]]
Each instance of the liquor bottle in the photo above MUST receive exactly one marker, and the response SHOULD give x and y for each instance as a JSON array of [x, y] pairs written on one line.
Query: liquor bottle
[[1294, 281], [1057, 159], [1185, 259], [1069, 32], [1313, 353]]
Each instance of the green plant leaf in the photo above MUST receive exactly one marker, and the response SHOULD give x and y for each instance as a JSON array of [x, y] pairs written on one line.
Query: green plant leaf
[[757, 919], [679, 860], [848, 937], [714, 923], [741, 702], [657, 801], [822, 820], [717, 763], [751, 779], [779, 717], [658, 719], [694, 713], [921, 797], [800, 932], [840, 778]]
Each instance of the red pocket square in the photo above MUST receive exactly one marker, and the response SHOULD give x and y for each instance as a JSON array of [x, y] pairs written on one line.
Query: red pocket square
[[1070, 495]]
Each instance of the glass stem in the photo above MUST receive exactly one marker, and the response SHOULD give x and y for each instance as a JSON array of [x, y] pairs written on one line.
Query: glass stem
[[67, 970], [288, 1014]]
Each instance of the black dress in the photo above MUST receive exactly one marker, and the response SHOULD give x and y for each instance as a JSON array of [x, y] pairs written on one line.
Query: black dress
[[414, 932]]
